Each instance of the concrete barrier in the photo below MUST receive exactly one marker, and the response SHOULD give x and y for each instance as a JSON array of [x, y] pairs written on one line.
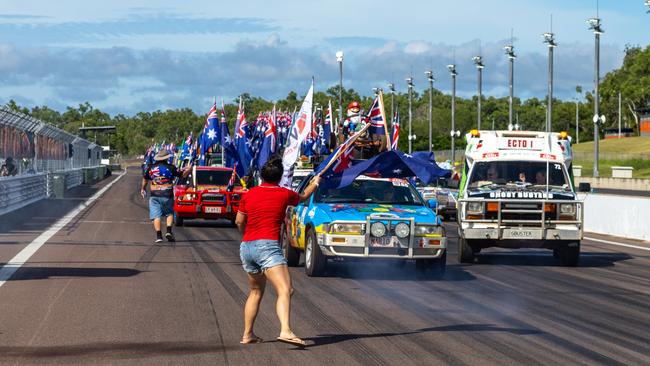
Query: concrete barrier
[[622, 172], [624, 216], [630, 184]]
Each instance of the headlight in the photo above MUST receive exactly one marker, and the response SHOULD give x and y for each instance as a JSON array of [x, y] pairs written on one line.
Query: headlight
[[402, 230], [378, 229], [475, 207], [346, 229], [567, 209], [428, 230]]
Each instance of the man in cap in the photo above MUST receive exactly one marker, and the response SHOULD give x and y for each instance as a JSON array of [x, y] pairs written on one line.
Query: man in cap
[[161, 174]]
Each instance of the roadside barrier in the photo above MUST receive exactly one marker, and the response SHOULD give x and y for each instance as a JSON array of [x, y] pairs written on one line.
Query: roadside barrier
[[20, 191], [624, 216]]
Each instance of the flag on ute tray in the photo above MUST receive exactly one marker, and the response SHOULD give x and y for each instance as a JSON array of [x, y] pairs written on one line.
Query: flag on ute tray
[[389, 164], [377, 121], [394, 144], [341, 158], [233, 178]]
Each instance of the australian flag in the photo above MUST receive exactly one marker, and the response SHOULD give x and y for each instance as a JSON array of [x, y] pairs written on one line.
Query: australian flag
[[394, 139], [210, 134], [325, 132], [269, 143], [377, 122], [390, 164], [341, 158]]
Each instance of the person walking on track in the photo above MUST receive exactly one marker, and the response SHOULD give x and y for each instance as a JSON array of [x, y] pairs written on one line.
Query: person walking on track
[[260, 216], [161, 174]]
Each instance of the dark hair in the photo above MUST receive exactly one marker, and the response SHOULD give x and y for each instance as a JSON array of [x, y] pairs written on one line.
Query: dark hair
[[272, 170]]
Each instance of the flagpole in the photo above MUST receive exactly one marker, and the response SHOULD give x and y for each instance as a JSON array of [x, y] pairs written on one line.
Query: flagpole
[[342, 149], [383, 117], [223, 109]]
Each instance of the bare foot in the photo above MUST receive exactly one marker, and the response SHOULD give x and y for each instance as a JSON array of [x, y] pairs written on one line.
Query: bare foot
[[252, 339]]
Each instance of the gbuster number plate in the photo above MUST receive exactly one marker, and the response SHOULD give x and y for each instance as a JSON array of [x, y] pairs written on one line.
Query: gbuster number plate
[[522, 234], [212, 209], [383, 242]]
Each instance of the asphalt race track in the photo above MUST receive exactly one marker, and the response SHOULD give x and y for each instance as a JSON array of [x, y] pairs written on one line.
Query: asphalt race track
[[100, 292]]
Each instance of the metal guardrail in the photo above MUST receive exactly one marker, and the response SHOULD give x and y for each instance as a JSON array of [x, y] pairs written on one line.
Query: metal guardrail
[[17, 192], [73, 178]]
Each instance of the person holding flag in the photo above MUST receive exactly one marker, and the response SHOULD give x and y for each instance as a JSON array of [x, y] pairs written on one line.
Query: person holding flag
[[260, 216]]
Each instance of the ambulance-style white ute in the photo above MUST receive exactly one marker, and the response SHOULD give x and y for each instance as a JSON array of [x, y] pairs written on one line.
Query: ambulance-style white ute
[[517, 191]]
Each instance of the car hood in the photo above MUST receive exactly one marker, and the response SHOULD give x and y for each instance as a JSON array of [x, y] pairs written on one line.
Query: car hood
[[328, 212]]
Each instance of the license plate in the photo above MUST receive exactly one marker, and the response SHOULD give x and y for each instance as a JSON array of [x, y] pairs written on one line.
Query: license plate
[[383, 242], [521, 234], [212, 209]]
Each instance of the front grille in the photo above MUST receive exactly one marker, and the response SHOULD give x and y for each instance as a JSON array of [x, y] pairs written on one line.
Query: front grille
[[212, 197]]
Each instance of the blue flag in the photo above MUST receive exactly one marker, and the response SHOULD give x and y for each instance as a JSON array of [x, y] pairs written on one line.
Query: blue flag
[[390, 164]]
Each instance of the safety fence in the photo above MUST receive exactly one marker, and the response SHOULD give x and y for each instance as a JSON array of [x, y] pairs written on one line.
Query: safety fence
[[32, 146], [20, 191]]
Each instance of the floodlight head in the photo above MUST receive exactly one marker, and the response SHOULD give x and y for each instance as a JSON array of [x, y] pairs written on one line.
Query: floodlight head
[[391, 87], [452, 69], [409, 81], [594, 24], [549, 38], [339, 56]]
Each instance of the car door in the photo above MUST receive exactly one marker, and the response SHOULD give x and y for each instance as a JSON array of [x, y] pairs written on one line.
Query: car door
[[294, 220]]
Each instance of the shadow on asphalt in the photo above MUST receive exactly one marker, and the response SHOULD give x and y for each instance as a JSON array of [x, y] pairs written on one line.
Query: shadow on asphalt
[[543, 259], [43, 273], [208, 223], [325, 339], [113, 351], [391, 270]]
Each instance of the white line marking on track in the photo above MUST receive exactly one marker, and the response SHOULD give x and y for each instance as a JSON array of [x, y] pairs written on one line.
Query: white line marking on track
[[617, 243], [21, 258]]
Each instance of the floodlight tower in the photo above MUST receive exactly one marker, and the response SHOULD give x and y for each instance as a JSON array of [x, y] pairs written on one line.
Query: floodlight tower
[[453, 132], [339, 59], [549, 39], [430, 78], [411, 137], [391, 87], [478, 61], [510, 52], [594, 24]]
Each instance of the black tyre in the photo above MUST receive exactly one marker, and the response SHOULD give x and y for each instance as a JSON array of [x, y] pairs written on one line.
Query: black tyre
[[315, 260], [569, 255], [291, 254], [179, 221], [435, 268], [465, 252]]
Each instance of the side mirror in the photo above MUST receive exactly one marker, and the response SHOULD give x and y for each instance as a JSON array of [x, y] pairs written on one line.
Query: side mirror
[[584, 187], [433, 204]]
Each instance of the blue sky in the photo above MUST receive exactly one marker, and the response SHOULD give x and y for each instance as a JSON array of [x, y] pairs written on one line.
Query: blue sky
[[129, 56]]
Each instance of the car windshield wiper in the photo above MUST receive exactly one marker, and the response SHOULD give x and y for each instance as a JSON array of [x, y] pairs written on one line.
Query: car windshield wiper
[[342, 200]]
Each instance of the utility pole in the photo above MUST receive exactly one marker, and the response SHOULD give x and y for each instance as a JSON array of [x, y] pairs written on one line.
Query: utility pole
[[594, 24], [452, 71], [391, 87], [429, 75], [478, 61], [549, 38], [619, 114], [411, 137], [339, 59], [510, 52]]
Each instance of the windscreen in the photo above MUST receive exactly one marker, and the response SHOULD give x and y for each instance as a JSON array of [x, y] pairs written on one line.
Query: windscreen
[[397, 192], [213, 177], [520, 173]]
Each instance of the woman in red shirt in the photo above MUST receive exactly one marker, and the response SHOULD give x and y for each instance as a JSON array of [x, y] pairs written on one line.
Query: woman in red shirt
[[260, 216]]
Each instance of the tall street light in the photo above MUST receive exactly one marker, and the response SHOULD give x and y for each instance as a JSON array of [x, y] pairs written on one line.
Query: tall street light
[[453, 132], [647, 3], [594, 24], [549, 39], [429, 75], [339, 59], [510, 52], [478, 61], [411, 137], [391, 87], [577, 122]]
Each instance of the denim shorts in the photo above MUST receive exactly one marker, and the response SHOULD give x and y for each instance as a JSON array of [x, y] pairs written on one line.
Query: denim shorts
[[260, 255], [160, 207]]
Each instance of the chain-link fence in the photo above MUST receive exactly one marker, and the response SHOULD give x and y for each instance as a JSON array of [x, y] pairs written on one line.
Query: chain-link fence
[[28, 145]]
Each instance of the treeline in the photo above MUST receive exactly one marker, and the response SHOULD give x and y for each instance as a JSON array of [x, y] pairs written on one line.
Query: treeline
[[135, 133]]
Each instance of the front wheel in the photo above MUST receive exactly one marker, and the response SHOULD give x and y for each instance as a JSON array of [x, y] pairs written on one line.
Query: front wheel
[[465, 252], [569, 255], [290, 253], [315, 260], [435, 267]]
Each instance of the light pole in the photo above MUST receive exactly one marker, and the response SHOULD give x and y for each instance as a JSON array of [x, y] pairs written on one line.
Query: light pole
[[510, 52], [339, 59], [411, 137], [478, 61], [577, 122], [391, 87], [429, 75], [594, 24], [549, 38], [647, 3], [452, 71]]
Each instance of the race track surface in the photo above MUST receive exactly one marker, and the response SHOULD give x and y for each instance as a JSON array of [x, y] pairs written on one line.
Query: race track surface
[[100, 292]]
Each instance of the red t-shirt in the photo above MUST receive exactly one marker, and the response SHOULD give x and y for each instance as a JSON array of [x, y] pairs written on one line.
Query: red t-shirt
[[265, 207]]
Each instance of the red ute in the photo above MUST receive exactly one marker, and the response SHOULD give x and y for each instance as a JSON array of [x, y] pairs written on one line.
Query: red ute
[[203, 195]]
